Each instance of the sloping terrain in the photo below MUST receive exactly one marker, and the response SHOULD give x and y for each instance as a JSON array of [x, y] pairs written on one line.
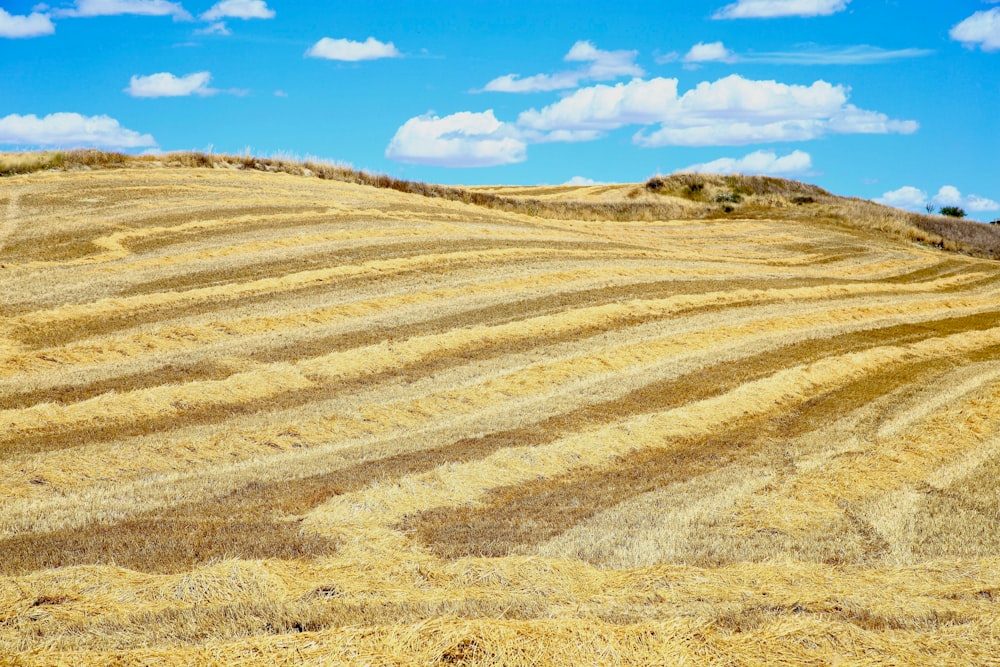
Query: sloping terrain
[[259, 418]]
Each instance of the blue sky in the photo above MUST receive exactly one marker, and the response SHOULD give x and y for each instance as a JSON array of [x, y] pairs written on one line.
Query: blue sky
[[887, 99]]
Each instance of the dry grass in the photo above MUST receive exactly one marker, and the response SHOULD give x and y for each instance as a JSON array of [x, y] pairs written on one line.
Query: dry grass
[[256, 411], [680, 196]]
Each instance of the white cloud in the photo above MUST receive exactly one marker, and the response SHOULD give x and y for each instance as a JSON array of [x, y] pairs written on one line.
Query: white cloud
[[982, 28], [948, 195], [708, 53], [759, 162], [914, 199], [582, 180], [860, 54], [69, 130], [728, 112], [603, 66], [906, 197], [981, 204], [238, 9], [165, 84], [345, 49], [218, 28], [604, 107], [32, 25], [463, 139], [759, 9], [280, 93], [731, 134], [84, 8]]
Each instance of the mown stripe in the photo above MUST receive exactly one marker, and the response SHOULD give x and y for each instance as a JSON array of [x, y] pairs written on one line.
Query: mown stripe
[[294, 497], [306, 261], [36, 332], [513, 519], [494, 314], [59, 437]]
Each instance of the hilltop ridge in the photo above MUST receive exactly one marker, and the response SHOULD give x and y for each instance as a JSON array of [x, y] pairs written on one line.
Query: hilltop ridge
[[678, 196]]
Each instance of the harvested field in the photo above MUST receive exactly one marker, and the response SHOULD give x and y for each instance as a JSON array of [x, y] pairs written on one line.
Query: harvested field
[[253, 418]]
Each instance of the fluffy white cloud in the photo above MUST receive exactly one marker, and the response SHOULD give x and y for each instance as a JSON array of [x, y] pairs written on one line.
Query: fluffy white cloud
[[32, 25], [604, 107], [907, 197], [981, 204], [914, 199], [731, 134], [708, 53], [463, 139], [982, 29], [728, 112], [759, 162], [84, 8], [165, 84], [345, 49], [238, 9], [760, 9], [603, 66], [949, 195], [69, 130]]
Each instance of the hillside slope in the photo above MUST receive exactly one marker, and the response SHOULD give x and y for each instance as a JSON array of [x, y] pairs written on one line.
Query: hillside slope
[[258, 418]]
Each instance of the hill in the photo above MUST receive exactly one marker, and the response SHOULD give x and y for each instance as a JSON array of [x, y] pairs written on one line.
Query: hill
[[270, 412]]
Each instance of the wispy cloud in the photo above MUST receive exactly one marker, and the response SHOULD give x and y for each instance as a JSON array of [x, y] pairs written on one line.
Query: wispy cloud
[[165, 84], [238, 9], [759, 162], [601, 66], [69, 130], [860, 54], [982, 29], [351, 51], [88, 8], [35, 24], [763, 9], [218, 28]]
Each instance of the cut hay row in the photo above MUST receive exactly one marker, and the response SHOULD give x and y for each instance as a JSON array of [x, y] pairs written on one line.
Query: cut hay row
[[618, 367], [456, 485], [251, 418], [677, 521]]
